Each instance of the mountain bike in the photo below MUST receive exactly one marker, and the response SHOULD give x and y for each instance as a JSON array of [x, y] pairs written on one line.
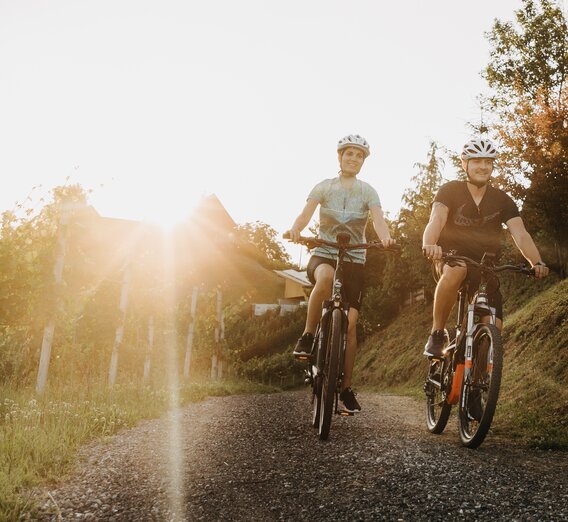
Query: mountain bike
[[326, 363], [469, 373]]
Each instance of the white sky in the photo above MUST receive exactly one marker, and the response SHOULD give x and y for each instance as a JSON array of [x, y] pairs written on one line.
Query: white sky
[[164, 101]]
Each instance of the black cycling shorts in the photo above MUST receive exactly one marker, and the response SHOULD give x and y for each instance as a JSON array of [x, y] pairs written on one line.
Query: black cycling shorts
[[473, 278], [353, 274]]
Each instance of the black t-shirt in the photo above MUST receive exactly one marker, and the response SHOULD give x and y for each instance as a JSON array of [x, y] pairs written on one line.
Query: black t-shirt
[[473, 230]]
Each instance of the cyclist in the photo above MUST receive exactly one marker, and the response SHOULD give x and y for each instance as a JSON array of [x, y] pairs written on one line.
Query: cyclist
[[345, 203], [467, 217]]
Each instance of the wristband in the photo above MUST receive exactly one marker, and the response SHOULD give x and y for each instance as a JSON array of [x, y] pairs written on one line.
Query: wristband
[[539, 263]]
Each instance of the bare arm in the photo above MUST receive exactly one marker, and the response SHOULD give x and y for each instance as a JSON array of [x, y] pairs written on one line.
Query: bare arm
[[438, 218], [526, 245], [380, 226], [303, 219]]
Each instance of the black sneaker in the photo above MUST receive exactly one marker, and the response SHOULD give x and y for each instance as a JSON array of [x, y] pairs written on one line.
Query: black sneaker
[[435, 346], [303, 349], [474, 408], [348, 402]]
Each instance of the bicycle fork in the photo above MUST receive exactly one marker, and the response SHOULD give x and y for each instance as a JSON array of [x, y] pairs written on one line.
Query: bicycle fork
[[343, 351], [475, 310]]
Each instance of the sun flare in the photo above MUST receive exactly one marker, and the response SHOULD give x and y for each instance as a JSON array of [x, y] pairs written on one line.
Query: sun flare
[[167, 212]]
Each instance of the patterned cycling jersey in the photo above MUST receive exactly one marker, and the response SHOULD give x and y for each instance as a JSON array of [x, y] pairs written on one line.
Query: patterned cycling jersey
[[344, 210]]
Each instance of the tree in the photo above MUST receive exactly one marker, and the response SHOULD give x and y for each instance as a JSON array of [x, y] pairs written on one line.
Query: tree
[[390, 277], [529, 102], [530, 58], [269, 251], [415, 214]]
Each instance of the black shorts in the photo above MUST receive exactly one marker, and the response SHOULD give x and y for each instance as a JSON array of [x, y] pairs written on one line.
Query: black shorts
[[473, 278], [353, 274]]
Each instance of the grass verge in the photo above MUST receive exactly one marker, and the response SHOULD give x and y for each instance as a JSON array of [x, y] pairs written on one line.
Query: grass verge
[[533, 403], [40, 436]]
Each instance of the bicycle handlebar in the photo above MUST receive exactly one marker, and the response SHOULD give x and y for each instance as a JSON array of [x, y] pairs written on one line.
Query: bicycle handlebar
[[312, 242], [522, 269]]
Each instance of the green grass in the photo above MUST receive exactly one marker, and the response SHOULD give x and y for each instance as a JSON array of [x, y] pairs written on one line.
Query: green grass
[[40, 437], [533, 404]]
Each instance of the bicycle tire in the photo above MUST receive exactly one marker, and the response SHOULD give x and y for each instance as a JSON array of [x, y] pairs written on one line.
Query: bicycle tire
[[437, 408], [316, 401], [330, 374], [484, 382]]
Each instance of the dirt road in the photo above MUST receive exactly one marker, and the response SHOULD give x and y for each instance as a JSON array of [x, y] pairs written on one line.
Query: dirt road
[[256, 457]]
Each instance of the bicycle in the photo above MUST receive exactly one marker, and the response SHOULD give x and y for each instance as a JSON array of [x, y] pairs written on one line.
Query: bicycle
[[326, 363], [469, 373]]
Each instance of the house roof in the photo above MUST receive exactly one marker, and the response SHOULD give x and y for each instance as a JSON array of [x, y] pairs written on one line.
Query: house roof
[[296, 276]]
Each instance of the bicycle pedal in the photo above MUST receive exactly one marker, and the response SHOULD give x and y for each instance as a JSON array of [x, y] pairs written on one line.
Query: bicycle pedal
[[345, 413], [302, 357]]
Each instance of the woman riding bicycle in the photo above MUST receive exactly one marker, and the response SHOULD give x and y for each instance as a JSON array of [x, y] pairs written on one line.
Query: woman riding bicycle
[[467, 218], [345, 203]]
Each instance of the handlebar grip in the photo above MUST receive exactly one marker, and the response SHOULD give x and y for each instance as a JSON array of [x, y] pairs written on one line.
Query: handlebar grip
[[286, 235]]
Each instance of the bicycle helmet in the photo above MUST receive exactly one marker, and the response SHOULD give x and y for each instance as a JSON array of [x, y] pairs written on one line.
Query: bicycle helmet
[[354, 140], [479, 148]]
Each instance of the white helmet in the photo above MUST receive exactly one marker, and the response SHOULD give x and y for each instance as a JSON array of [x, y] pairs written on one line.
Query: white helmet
[[354, 140], [479, 148]]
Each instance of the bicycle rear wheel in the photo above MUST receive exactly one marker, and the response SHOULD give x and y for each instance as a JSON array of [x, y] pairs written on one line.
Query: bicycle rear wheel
[[330, 373], [437, 408], [480, 390]]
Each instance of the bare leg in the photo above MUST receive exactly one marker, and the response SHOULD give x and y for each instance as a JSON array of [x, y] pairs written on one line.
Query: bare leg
[[446, 294], [322, 291], [351, 348]]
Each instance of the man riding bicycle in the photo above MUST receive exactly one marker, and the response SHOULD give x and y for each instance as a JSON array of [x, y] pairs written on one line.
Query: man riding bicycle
[[467, 217], [345, 203]]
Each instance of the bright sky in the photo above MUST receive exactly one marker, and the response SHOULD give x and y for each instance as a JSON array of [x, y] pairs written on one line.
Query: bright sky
[[161, 102]]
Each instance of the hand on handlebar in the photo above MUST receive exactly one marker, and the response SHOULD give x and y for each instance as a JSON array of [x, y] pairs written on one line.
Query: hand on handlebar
[[292, 234], [433, 252], [387, 243], [540, 270]]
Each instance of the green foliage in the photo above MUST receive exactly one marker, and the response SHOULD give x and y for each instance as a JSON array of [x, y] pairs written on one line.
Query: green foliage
[[527, 73], [263, 244], [279, 369], [261, 336], [530, 56]]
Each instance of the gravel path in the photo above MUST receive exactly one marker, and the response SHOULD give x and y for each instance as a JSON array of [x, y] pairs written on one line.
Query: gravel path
[[256, 457]]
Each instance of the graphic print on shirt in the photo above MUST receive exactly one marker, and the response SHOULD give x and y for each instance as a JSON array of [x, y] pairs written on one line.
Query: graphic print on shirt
[[463, 221]]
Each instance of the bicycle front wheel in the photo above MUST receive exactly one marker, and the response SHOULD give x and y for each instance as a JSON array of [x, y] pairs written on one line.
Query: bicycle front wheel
[[480, 390], [330, 373], [437, 408]]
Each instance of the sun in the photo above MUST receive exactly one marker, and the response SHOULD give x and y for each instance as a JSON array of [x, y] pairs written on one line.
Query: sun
[[168, 212]]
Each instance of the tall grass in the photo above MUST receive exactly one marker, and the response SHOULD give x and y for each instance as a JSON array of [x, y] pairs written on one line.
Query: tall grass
[[40, 436]]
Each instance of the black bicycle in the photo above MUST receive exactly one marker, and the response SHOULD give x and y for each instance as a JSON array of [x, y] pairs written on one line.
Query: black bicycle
[[469, 373], [326, 363]]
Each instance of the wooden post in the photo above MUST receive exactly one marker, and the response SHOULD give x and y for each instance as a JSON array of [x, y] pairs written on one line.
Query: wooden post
[[49, 330], [190, 330], [120, 328], [149, 347], [214, 367], [217, 359]]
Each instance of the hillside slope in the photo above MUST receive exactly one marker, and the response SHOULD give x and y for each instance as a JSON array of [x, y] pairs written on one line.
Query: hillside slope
[[534, 394]]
